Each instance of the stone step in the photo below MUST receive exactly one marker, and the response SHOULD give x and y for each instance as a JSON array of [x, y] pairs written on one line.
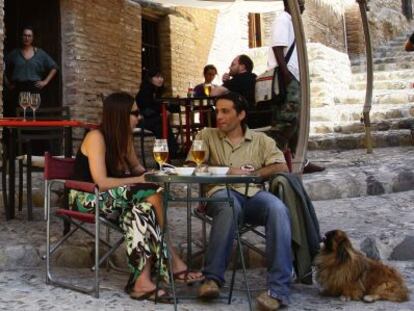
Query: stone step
[[347, 113], [326, 127], [402, 74], [390, 97], [385, 66], [407, 58], [354, 173], [339, 141], [384, 85]]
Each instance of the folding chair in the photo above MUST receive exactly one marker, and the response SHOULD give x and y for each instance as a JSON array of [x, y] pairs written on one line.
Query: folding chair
[[60, 170]]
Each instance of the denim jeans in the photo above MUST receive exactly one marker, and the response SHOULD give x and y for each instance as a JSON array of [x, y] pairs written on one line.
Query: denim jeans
[[262, 209]]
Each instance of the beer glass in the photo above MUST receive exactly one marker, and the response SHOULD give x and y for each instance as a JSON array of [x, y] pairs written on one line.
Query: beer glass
[[207, 89], [160, 152], [198, 152]]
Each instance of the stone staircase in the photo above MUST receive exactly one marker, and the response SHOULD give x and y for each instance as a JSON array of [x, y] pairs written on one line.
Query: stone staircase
[[336, 117]]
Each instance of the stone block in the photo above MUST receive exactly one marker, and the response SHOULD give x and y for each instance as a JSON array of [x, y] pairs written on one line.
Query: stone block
[[404, 250]]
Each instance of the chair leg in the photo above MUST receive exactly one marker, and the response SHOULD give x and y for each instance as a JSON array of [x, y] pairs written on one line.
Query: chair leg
[[29, 183], [20, 185]]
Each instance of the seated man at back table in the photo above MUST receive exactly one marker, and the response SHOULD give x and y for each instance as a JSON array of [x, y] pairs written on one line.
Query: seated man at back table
[[239, 79], [233, 144]]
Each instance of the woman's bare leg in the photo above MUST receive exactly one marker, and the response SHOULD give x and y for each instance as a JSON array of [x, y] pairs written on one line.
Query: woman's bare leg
[[178, 264]]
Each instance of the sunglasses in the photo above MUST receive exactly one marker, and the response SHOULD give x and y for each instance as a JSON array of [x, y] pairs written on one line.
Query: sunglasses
[[135, 113]]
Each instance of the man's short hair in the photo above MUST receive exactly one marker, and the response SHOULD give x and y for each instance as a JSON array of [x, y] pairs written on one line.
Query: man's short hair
[[209, 67], [246, 61], [239, 102]]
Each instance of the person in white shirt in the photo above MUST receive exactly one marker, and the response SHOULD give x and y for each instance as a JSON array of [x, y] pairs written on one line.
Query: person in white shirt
[[284, 55]]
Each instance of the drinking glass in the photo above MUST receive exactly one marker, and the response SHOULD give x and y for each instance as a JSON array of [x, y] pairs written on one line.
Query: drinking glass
[[198, 152], [35, 103], [160, 152], [24, 102], [207, 89]]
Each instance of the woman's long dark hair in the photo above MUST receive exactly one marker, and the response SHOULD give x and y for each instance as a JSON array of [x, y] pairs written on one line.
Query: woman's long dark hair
[[116, 130]]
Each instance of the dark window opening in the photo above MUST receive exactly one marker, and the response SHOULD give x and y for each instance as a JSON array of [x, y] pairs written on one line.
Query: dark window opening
[[150, 44]]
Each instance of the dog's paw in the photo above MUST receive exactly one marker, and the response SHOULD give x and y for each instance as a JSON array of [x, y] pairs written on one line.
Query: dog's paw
[[345, 298], [369, 298]]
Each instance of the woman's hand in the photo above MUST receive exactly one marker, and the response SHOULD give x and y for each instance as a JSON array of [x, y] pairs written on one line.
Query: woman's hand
[[40, 84]]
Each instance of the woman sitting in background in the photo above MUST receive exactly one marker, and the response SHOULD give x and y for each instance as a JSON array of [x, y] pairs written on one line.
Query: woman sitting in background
[[107, 158], [149, 91]]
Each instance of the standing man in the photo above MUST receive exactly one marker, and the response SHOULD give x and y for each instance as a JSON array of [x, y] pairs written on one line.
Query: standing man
[[287, 119], [233, 144], [239, 79], [28, 69]]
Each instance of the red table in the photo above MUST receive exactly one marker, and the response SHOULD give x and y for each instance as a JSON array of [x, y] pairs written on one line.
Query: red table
[[10, 155], [190, 104]]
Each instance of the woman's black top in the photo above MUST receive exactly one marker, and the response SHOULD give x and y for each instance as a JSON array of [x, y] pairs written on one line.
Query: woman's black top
[[146, 101], [82, 171]]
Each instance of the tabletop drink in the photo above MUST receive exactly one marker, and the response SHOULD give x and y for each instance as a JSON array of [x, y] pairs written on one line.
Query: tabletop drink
[[160, 152], [198, 152], [24, 102]]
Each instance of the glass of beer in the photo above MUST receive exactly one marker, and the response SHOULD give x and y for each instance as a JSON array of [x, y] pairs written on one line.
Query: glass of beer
[[198, 152], [160, 152], [207, 89]]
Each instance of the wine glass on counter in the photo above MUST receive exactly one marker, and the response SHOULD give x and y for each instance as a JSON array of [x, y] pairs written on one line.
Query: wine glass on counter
[[35, 103], [160, 152], [198, 152], [24, 102]]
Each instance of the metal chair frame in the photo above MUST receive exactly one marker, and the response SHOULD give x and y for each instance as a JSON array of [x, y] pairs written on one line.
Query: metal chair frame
[[53, 176]]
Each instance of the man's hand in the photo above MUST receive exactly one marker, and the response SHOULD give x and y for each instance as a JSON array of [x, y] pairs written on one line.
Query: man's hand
[[225, 77], [238, 171]]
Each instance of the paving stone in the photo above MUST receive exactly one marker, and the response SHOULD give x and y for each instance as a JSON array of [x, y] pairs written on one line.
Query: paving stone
[[404, 250]]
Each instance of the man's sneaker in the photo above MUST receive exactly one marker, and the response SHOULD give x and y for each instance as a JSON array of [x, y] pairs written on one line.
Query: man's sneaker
[[267, 303], [208, 290], [312, 168]]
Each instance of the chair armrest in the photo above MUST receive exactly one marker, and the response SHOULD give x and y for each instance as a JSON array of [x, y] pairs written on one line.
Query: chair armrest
[[81, 186]]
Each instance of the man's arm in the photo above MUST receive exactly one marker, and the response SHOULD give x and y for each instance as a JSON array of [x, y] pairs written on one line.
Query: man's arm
[[218, 90], [280, 58], [269, 170]]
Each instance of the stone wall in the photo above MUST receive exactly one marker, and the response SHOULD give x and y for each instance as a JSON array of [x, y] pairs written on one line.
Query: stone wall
[[328, 30], [385, 21], [101, 52], [185, 38]]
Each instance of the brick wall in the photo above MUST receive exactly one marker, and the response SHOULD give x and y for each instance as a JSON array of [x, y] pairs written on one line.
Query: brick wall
[[101, 42], [185, 37]]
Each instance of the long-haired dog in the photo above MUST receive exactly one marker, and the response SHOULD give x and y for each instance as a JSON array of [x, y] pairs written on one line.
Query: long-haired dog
[[343, 271]]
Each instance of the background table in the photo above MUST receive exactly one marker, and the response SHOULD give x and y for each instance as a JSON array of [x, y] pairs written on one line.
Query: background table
[[9, 152]]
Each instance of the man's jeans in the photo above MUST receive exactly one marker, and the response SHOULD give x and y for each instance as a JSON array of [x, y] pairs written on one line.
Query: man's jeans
[[262, 209]]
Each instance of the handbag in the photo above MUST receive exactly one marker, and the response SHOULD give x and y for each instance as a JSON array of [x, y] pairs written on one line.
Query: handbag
[[266, 87]]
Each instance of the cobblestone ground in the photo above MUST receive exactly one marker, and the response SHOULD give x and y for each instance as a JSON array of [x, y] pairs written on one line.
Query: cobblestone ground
[[387, 218]]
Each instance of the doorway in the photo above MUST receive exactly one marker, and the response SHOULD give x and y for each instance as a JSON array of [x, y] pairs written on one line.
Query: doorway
[[150, 44], [44, 17]]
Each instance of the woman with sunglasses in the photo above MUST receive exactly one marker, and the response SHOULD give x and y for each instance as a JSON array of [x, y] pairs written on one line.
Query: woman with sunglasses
[[107, 158]]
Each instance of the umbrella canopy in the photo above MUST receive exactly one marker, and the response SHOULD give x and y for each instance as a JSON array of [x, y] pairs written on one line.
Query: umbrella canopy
[[253, 6]]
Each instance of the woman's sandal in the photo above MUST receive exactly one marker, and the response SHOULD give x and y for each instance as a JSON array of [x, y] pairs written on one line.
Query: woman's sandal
[[183, 277], [163, 296]]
